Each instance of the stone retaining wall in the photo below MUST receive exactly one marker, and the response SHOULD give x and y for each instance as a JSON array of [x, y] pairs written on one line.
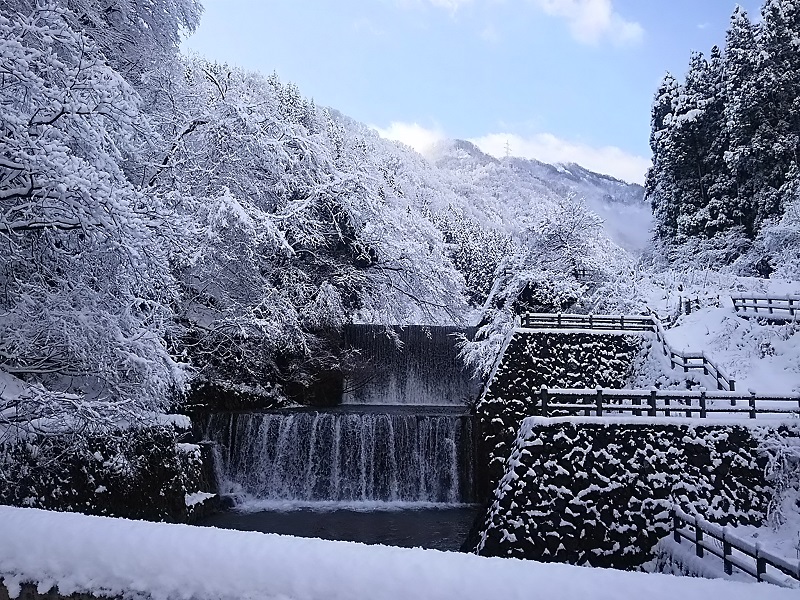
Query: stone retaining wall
[[558, 360], [598, 491]]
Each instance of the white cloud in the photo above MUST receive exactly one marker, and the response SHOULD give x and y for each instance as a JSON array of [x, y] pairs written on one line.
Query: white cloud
[[591, 21], [411, 134], [548, 148]]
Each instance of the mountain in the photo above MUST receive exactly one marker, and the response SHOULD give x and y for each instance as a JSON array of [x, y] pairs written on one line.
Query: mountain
[[517, 181]]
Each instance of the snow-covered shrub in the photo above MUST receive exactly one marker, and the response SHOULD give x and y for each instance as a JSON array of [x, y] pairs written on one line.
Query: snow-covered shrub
[[138, 472], [781, 448], [777, 245]]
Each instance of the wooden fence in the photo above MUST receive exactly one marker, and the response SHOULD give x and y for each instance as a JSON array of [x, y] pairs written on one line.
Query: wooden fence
[[592, 322], [787, 308], [693, 360], [748, 558], [656, 403], [636, 323]]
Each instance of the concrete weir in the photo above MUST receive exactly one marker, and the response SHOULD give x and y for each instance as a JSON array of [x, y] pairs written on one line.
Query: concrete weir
[[399, 441]]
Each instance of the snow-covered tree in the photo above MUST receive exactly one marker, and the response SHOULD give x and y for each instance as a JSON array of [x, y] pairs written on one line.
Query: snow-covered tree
[[85, 284], [725, 141]]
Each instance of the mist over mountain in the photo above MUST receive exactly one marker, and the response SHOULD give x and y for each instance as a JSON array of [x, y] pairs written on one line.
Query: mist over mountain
[[517, 181]]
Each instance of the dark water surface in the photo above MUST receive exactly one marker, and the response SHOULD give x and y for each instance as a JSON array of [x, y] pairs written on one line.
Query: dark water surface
[[435, 528]]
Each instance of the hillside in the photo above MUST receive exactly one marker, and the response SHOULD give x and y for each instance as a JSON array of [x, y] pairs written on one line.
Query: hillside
[[506, 187]]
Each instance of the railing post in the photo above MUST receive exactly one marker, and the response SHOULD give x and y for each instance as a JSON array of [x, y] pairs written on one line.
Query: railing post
[[752, 405], [703, 404], [761, 563], [638, 402], [769, 305], [791, 307], [667, 411], [731, 385], [735, 304], [599, 402], [591, 321], [726, 552], [698, 538], [559, 320], [622, 321], [652, 403], [543, 401], [676, 525]]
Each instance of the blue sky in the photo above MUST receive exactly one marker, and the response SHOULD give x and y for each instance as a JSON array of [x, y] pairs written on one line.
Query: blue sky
[[559, 80]]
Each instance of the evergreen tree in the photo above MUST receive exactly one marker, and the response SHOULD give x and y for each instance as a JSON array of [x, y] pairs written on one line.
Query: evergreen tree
[[660, 185], [741, 113], [726, 140], [777, 87]]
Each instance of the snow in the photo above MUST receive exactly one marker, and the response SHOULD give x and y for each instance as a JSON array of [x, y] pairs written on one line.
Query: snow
[[781, 536], [139, 559], [198, 498], [761, 357]]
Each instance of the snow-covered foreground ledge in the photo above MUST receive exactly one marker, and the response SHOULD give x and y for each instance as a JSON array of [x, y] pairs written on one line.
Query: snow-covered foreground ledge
[[140, 559]]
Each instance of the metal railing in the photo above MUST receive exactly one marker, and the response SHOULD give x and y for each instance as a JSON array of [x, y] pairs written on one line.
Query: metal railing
[[751, 559]]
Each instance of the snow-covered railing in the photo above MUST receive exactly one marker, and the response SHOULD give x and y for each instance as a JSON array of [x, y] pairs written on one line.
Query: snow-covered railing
[[748, 558], [693, 360], [786, 308], [593, 322], [638, 323], [656, 403]]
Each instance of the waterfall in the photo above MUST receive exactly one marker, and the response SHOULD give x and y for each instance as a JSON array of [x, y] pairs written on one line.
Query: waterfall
[[347, 456], [423, 370]]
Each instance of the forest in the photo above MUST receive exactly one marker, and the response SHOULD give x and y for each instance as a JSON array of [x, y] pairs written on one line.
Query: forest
[[168, 220], [725, 140]]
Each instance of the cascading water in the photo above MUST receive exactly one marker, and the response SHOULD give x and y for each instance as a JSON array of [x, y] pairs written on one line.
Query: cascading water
[[393, 464], [343, 456], [401, 435], [423, 369]]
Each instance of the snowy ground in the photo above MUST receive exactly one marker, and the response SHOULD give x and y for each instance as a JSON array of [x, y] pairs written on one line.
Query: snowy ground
[[140, 559], [759, 356]]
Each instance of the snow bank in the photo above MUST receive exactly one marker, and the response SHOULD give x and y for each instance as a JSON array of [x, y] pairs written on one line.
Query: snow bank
[[116, 557], [759, 356]]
